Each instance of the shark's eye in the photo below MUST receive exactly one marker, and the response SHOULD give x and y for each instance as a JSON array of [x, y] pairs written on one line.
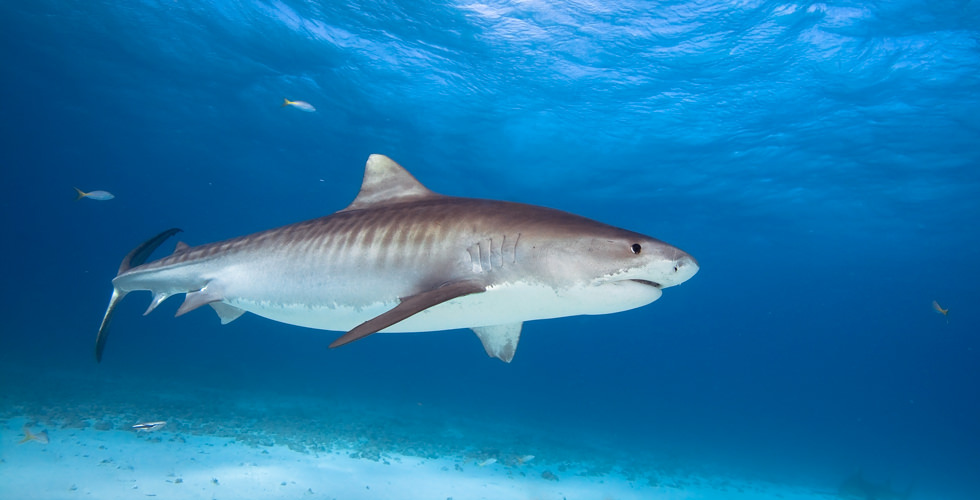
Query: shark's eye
[[635, 248]]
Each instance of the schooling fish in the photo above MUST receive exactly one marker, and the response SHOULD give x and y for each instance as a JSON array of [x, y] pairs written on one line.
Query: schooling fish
[[300, 105], [40, 437], [95, 195], [149, 426]]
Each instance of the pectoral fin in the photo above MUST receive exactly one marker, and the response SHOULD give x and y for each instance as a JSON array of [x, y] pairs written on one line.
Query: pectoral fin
[[500, 341], [409, 306]]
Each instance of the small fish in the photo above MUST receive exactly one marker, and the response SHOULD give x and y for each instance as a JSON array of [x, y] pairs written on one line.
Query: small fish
[[487, 462], [149, 426], [95, 195], [525, 459], [40, 437], [300, 105], [939, 309]]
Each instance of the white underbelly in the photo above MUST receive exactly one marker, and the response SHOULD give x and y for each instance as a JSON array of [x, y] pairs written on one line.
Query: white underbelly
[[499, 305]]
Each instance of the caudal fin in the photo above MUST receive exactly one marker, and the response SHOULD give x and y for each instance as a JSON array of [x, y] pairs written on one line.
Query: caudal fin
[[81, 194], [28, 435], [137, 256], [285, 102]]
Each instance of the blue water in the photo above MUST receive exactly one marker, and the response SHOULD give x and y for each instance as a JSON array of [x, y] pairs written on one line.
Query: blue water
[[820, 160]]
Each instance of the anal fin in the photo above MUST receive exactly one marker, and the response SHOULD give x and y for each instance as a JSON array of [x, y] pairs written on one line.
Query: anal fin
[[157, 299], [500, 341], [226, 312], [410, 306]]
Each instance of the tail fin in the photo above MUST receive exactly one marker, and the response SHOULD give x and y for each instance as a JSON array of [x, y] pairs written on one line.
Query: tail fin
[[134, 258], [28, 435], [81, 194], [285, 102]]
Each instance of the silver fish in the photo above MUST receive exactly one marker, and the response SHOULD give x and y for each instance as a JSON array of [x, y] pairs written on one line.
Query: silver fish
[[149, 426], [95, 195]]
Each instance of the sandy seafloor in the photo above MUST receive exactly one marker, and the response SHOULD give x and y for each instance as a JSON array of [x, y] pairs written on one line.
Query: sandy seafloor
[[220, 444]]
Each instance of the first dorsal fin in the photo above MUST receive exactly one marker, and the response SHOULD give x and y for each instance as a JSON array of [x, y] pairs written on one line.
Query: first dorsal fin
[[387, 182]]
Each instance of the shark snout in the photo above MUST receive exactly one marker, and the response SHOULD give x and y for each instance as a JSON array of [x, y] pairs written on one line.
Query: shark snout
[[684, 268]]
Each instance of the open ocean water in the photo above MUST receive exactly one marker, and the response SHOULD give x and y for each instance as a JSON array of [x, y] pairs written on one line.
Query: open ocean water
[[820, 160]]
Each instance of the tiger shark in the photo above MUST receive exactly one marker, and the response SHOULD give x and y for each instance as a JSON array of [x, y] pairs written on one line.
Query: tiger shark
[[402, 258]]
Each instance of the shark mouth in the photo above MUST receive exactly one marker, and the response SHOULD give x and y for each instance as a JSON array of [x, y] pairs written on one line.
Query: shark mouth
[[648, 282]]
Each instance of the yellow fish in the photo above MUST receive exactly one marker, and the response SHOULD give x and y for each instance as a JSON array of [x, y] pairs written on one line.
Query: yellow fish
[[300, 105], [95, 195], [40, 437], [939, 309]]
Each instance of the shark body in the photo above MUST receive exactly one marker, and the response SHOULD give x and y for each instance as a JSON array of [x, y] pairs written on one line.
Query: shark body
[[401, 258]]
